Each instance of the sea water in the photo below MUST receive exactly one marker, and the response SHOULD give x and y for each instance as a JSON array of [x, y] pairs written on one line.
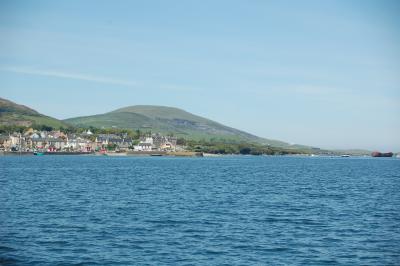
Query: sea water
[[239, 210]]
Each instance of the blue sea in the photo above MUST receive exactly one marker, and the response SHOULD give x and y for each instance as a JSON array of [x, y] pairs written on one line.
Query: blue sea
[[239, 210]]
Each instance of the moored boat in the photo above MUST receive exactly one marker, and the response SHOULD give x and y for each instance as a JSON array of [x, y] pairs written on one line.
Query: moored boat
[[380, 154]]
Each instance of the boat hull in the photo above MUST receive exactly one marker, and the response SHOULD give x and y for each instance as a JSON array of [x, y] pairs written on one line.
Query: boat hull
[[380, 154]]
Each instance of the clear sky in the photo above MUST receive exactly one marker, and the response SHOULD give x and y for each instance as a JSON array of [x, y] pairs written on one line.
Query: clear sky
[[321, 73]]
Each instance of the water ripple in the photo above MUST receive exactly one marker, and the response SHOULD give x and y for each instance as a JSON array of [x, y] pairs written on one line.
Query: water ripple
[[205, 211]]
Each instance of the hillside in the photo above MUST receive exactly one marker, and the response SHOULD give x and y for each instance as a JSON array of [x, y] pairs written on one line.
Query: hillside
[[143, 117], [20, 115], [169, 120]]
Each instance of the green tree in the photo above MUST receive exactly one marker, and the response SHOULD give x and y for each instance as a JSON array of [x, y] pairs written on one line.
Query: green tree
[[245, 150]]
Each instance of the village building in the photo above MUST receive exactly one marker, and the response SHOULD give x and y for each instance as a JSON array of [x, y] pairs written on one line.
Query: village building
[[55, 141], [50, 144], [5, 143], [56, 134], [143, 146], [122, 143], [156, 142], [164, 142], [77, 143]]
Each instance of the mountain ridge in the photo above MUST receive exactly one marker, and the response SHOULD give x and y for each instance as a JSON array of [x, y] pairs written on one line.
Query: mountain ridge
[[166, 119], [154, 118]]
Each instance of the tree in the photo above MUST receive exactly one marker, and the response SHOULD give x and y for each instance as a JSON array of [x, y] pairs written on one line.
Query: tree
[[111, 146], [181, 141], [245, 150]]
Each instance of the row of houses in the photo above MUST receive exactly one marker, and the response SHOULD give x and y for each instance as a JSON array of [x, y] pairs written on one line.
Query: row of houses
[[46, 141], [156, 142], [86, 142]]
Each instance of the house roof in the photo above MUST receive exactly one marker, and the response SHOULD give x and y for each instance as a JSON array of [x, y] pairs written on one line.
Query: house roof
[[48, 140], [144, 144], [3, 137]]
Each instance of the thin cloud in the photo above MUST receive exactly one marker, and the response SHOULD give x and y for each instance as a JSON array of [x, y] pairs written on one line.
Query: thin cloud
[[69, 75]]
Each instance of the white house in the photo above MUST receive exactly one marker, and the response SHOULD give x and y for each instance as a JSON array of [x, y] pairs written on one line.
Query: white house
[[143, 146]]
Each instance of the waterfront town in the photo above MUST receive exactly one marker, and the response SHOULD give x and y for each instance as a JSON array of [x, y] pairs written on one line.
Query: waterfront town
[[34, 141], [56, 141]]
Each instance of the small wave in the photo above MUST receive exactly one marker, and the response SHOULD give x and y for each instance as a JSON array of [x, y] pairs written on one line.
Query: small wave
[[7, 249]]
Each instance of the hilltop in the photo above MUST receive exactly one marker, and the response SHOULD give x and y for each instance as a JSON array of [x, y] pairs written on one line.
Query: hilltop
[[12, 114], [167, 120], [146, 118]]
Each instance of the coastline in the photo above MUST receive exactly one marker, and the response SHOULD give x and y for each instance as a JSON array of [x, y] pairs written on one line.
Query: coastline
[[128, 153], [171, 154]]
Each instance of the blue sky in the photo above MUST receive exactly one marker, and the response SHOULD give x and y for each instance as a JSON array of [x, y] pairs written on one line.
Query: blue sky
[[322, 73]]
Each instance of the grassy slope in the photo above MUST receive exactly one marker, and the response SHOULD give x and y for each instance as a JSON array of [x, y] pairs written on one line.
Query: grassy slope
[[15, 114], [169, 120]]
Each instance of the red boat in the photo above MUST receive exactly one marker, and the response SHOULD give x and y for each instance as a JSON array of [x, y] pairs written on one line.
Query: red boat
[[380, 154]]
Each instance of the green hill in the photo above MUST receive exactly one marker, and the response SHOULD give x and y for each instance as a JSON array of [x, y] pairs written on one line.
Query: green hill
[[160, 119], [169, 120], [12, 114]]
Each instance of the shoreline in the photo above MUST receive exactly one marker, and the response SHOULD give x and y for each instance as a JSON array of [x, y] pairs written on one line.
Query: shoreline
[[175, 154], [112, 154]]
